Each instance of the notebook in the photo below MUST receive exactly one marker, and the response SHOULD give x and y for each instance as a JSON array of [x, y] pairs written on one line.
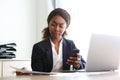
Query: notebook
[[103, 53]]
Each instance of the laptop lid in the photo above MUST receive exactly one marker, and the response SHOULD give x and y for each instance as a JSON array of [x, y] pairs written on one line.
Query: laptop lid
[[103, 53]]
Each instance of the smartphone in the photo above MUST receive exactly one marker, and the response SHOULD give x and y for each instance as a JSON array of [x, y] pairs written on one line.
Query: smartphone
[[74, 52]]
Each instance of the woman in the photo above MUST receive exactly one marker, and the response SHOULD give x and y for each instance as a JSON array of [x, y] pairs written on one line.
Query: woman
[[54, 52]]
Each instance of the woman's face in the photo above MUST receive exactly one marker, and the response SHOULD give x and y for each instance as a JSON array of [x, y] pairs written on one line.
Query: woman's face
[[57, 26]]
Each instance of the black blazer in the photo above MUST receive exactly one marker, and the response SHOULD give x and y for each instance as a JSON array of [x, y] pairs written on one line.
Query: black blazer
[[42, 59]]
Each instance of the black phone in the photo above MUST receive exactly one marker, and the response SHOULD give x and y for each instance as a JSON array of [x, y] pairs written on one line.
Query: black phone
[[74, 52]]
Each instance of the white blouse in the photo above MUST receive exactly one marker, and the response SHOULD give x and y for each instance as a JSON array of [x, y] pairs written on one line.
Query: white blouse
[[57, 58]]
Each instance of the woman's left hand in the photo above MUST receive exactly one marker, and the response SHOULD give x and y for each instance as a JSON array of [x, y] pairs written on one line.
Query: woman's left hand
[[18, 73], [75, 61]]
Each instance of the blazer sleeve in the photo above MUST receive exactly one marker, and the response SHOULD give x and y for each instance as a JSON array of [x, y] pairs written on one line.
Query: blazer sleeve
[[82, 61], [72, 46], [41, 59], [36, 59]]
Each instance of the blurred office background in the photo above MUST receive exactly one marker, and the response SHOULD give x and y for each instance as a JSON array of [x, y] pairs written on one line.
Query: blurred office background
[[21, 21]]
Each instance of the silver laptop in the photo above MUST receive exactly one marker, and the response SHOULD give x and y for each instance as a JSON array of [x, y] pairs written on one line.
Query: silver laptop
[[103, 53]]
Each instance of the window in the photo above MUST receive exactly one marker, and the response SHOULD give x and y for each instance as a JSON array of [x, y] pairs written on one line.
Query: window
[[91, 16]]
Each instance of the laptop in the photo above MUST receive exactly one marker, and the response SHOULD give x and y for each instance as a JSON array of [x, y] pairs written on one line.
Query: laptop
[[103, 53]]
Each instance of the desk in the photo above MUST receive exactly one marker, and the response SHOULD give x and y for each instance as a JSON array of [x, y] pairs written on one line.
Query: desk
[[69, 76]]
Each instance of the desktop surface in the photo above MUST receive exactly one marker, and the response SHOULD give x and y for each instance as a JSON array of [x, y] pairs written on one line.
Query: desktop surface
[[108, 75]]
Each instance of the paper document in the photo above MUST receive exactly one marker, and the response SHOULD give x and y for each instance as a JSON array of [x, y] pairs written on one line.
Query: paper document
[[33, 72]]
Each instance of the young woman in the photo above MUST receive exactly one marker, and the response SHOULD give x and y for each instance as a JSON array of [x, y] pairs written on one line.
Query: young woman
[[54, 52]]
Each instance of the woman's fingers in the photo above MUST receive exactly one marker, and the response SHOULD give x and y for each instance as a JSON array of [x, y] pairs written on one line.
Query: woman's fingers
[[75, 61]]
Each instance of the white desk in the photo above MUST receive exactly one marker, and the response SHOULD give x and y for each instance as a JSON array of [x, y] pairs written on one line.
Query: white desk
[[70, 76]]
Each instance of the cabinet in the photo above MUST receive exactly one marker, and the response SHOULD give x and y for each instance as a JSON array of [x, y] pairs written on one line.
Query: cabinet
[[6, 70], [0, 68]]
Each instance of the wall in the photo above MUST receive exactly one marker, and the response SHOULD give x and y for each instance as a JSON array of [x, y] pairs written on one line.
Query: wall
[[21, 21], [43, 9], [18, 24]]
